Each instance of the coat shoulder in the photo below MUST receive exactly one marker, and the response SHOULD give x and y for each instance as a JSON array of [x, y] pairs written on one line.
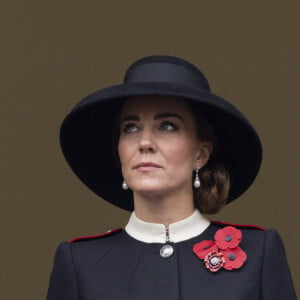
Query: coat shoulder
[[105, 235], [92, 248], [240, 226]]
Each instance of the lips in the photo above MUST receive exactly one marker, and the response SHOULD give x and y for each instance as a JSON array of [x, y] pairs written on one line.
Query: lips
[[145, 166]]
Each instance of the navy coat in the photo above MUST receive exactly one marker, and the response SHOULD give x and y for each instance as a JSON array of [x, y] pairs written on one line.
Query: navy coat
[[116, 266]]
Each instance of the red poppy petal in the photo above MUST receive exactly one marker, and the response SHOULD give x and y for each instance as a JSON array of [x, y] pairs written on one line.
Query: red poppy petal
[[228, 237], [234, 258], [201, 249]]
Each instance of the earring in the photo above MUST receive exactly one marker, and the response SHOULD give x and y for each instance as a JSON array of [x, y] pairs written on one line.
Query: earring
[[124, 185], [197, 182]]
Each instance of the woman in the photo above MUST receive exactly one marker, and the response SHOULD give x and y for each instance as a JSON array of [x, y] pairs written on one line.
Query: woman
[[163, 146]]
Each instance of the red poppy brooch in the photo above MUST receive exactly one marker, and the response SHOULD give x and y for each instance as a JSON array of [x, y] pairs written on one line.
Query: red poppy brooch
[[223, 252]]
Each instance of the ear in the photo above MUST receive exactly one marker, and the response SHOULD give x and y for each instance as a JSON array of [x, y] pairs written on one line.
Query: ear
[[205, 150]]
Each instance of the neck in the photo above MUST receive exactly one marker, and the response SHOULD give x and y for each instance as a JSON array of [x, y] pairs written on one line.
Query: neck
[[163, 209]]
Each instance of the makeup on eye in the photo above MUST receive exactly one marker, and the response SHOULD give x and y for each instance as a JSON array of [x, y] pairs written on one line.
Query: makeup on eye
[[129, 127], [162, 125], [168, 126]]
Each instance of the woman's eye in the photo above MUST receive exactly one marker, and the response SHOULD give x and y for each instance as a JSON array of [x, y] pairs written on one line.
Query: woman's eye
[[130, 127], [168, 126]]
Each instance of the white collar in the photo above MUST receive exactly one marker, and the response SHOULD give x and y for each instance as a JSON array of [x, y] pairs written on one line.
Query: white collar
[[156, 233]]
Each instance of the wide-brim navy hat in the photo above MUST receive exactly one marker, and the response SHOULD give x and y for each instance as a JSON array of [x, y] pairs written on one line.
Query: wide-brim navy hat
[[87, 132]]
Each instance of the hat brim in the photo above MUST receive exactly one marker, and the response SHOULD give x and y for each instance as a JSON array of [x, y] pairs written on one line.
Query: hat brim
[[86, 138]]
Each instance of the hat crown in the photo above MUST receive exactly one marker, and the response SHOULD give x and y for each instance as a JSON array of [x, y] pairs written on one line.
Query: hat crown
[[168, 69]]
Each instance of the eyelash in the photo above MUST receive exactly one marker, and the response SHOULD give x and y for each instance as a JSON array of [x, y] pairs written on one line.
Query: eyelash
[[132, 127], [127, 127], [168, 123]]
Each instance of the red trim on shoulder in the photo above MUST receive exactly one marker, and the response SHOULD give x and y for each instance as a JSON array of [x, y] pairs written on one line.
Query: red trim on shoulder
[[95, 236], [241, 225]]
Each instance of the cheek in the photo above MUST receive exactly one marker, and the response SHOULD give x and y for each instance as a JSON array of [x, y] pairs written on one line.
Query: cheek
[[121, 151], [124, 150], [183, 152]]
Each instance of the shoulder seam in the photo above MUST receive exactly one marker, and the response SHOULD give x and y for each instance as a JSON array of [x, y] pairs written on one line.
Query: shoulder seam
[[94, 236], [241, 225]]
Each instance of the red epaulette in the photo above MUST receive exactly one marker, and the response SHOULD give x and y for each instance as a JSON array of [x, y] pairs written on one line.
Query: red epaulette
[[90, 237], [241, 225]]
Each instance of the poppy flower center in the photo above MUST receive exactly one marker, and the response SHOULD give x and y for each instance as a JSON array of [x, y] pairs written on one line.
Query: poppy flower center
[[228, 238], [231, 256], [214, 261]]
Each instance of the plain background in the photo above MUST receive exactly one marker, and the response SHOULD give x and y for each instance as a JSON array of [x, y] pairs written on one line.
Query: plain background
[[53, 53]]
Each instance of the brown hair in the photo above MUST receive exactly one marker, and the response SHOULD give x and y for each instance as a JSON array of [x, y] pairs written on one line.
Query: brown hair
[[214, 177]]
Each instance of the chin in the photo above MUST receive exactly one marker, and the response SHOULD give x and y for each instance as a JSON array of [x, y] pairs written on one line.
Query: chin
[[148, 187], [153, 188]]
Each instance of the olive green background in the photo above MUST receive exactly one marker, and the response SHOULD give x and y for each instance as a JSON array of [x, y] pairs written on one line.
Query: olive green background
[[53, 53]]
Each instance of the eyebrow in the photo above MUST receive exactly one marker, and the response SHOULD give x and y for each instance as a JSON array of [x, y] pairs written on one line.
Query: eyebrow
[[156, 117], [130, 118], [167, 115]]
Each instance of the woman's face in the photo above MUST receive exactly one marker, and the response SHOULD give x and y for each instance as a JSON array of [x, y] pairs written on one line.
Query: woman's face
[[158, 145]]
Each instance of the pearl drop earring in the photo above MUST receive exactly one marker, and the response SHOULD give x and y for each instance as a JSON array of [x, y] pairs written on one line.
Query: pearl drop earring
[[124, 185], [197, 182]]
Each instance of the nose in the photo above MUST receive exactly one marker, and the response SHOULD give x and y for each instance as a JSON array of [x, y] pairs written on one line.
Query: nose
[[147, 144]]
